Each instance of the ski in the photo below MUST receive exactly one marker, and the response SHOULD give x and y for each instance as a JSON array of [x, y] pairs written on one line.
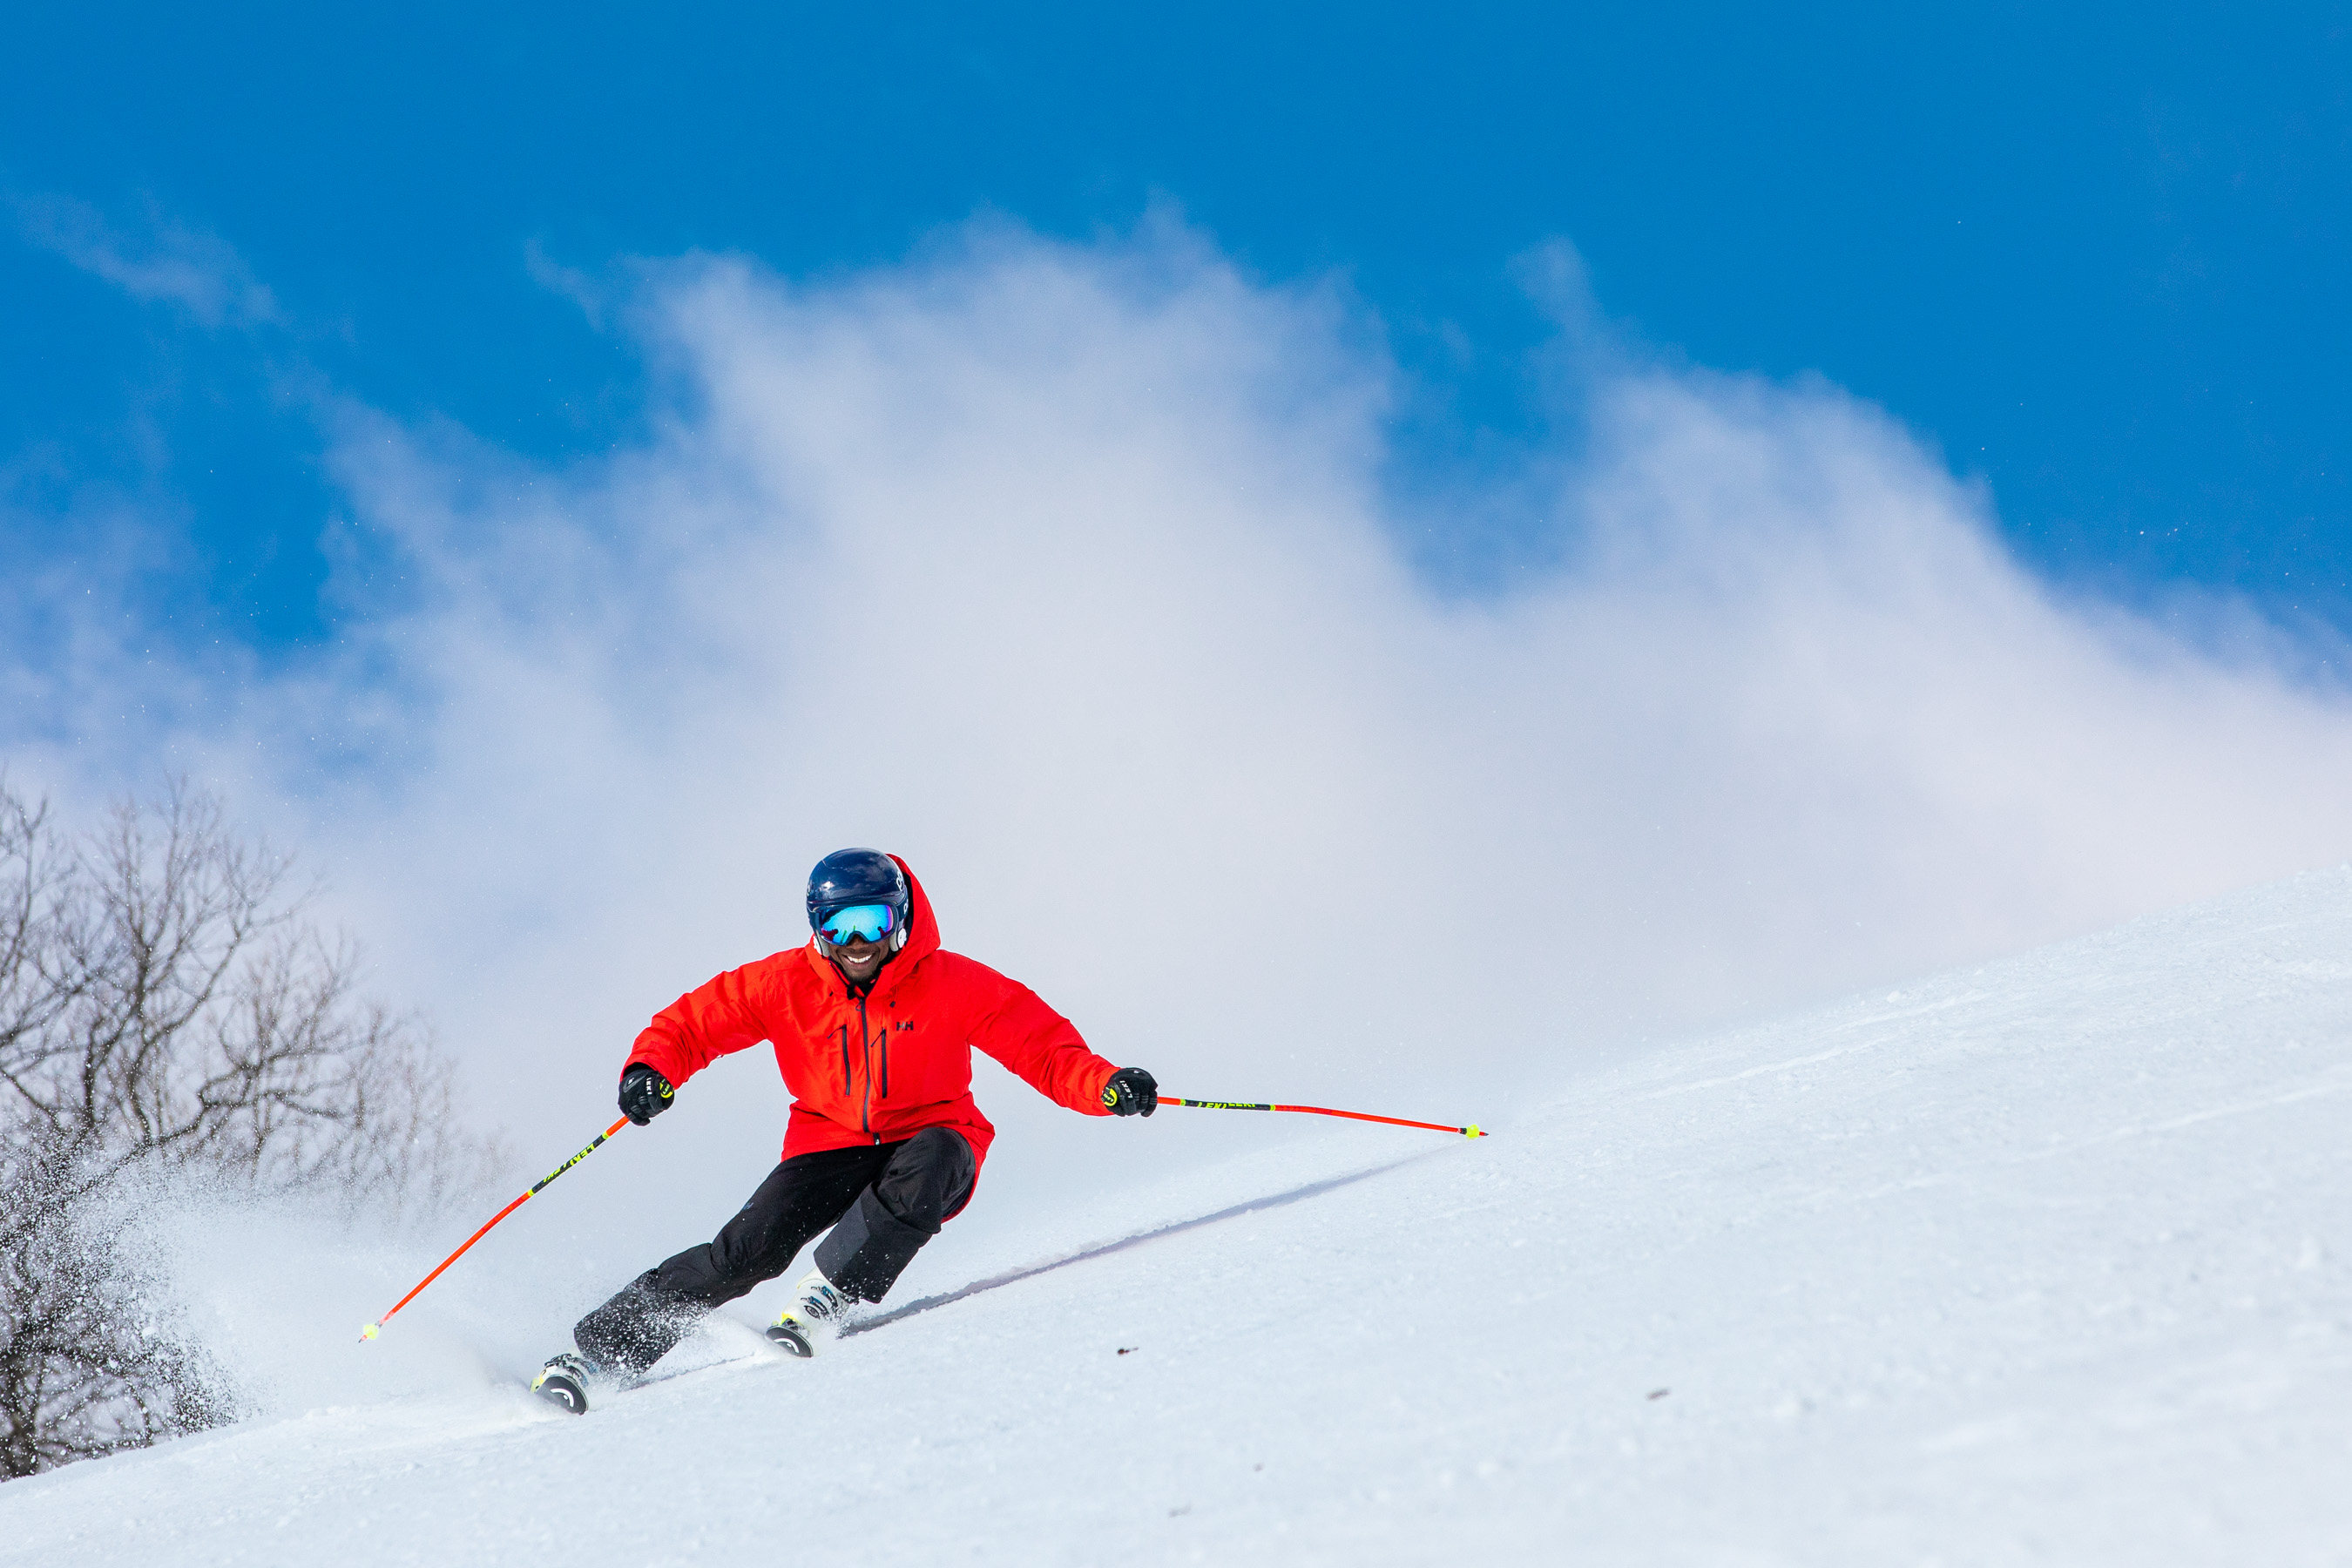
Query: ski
[[574, 1384]]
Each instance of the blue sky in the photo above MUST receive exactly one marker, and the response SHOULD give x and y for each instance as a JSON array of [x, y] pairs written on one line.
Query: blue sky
[[516, 457], [2096, 256]]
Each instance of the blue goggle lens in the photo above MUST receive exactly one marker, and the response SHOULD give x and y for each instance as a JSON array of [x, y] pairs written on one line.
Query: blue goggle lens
[[872, 921]]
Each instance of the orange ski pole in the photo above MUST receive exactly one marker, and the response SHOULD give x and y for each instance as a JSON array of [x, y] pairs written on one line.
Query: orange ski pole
[[377, 1327], [1472, 1131]]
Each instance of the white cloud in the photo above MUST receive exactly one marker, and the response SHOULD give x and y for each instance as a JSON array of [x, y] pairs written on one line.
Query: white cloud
[[1065, 572], [161, 259]]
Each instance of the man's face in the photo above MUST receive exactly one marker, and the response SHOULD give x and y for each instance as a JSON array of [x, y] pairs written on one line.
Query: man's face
[[859, 960]]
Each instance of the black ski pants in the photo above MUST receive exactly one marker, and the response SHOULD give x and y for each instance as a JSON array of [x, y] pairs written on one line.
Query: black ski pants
[[883, 1201]]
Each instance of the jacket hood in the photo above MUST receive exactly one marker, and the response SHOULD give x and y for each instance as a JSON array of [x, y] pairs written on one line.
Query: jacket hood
[[922, 928]]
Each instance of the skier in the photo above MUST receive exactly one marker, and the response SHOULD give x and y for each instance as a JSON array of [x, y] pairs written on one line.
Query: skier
[[873, 1024]]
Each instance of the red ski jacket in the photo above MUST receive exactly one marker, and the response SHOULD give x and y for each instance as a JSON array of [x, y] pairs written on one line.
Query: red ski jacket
[[882, 1067]]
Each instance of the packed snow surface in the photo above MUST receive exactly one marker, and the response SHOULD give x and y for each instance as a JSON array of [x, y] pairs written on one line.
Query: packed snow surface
[[2039, 1262]]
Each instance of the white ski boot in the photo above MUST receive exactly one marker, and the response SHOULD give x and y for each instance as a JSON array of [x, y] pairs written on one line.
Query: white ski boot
[[815, 1304], [563, 1382]]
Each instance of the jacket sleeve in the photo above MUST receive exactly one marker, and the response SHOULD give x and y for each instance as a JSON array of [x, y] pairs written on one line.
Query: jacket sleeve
[[1045, 1049], [710, 1021]]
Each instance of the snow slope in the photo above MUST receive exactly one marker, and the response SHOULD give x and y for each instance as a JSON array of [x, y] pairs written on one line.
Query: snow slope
[[2041, 1262]]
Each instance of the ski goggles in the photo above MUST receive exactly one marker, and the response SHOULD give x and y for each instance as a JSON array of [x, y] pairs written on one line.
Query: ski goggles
[[872, 921]]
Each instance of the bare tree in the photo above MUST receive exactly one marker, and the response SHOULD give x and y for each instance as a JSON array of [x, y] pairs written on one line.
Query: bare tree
[[166, 1009]]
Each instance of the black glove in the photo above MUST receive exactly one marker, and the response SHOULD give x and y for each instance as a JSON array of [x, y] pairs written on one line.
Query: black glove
[[645, 1093], [1131, 1092]]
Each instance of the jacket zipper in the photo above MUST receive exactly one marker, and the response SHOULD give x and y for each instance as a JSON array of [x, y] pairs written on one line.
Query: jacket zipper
[[865, 1052], [846, 1079]]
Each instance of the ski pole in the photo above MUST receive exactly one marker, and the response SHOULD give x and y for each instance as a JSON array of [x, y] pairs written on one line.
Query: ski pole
[[377, 1327], [1472, 1131]]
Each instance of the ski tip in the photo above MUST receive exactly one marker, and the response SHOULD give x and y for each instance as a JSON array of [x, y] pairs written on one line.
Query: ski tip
[[567, 1393], [792, 1339], [370, 1332]]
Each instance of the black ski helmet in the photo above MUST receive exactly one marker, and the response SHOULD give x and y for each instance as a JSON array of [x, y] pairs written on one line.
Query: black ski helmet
[[848, 877]]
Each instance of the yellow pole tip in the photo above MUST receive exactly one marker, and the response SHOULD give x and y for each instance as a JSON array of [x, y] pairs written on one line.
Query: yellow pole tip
[[1473, 1131], [369, 1333]]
